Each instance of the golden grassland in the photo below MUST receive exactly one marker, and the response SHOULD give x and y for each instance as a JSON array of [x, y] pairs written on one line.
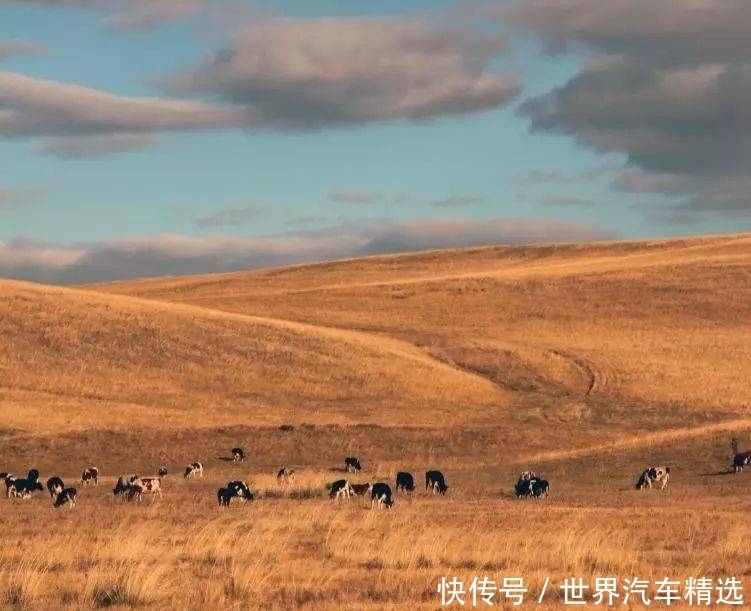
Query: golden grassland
[[586, 363]]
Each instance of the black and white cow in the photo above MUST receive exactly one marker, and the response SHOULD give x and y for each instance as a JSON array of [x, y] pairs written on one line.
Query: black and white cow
[[341, 489], [194, 468], [90, 475], [238, 455], [352, 464], [55, 485], [740, 460], [144, 485], [540, 487], [525, 484], [124, 482], [241, 490], [68, 495], [381, 494], [653, 476], [405, 481], [285, 475], [162, 472], [435, 482], [22, 488]]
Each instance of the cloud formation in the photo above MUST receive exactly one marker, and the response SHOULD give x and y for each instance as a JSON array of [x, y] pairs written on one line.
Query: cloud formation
[[178, 254], [11, 199], [19, 47], [455, 201], [316, 73], [77, 147], [668, 85], [230, 217], [350, 197]]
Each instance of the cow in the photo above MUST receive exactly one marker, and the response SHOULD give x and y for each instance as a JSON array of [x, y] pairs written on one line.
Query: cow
[[224, 496], [55, 485], [361, 489], [238, 455], [22, 488], [654, 475], [68, 495], [405, 481], [525, 483], [741, 460], [340, 489], [162, 472], [241, 490], [144, 485], [124, 482], [352, 464], [33, 475], [90, 475], [381, 494], [540, 487], [434, 481], [194, 468], [285, 475]]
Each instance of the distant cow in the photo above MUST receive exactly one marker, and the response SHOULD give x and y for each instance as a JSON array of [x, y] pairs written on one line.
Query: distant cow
[[124, 482], [68, 495], [405, 481], [285, 475], [381, 494], [341, 489], [653, 476], [352, 464], [22, 488], [525, 484], [224, 496], [55, 486], [361, 489], [540, 487], [90, 475], [241, 490], [238, 455], [144, 485], [33, 475], [162, 472], [741, 460], [194, 468], [434, 481]]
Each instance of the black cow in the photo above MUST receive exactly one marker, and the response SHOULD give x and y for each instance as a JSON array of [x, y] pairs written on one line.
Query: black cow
[[434, 481], [23, 487], [33, 475], [341, 489], [740, 460], [162, 472], [540, 487], [382, 495], [238, 455], [124, 483], [68, 495], [352, 464], [55, 485], [405, 481]]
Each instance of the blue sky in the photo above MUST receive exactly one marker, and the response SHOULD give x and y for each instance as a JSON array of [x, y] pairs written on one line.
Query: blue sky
[[266, 167]]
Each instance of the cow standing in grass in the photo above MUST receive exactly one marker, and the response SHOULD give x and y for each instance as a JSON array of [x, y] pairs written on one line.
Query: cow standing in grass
[[55, 485], [67, 496], [90, 476], [194, 469], [653, 476], [405, 482], [341, 489], [435, 482], [381, 495], [238, 455]]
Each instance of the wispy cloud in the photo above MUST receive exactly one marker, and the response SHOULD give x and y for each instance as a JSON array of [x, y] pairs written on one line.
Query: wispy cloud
[[352, 197], [565, 200], [78, 147], [11, 199], [456, 201], [230, 216], [179, 254], [19, 47]]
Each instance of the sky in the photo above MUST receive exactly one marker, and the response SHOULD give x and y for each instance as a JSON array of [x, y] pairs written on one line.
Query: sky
[[163, 137]]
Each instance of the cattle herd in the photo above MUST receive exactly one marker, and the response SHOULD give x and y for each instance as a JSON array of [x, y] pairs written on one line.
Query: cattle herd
[[131, 487]]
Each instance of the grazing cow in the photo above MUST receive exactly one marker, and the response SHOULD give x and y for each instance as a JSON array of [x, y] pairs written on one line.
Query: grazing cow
[[352, 464], [653, 476], [23, 488], [194, 468], [741, 460], [361, 489], [340, 489], [55, 485], [241, 490], [540, 487], [224, 496], [525, 483], [285, 475], [66, 496], [382, 495], [434, 481], [124, 482], [90, 475], [238, 455], [144, 485], [405, 481], [162, 472]]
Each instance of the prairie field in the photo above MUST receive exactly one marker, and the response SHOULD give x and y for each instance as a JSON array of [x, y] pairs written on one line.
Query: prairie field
[[585, 363]]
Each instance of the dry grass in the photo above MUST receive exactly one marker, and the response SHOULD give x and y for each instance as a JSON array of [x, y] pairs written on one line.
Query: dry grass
[[586, 363]]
